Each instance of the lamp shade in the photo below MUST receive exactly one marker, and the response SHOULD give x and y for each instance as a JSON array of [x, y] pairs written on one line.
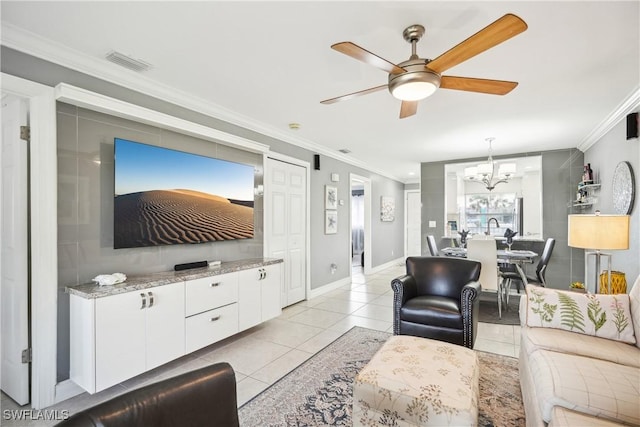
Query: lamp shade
[[599, 231], [507, 169]]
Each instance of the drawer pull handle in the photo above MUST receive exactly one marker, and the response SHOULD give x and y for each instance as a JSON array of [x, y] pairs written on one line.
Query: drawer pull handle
[[144, 301], [150, 299], [213, 319], [214, 285]]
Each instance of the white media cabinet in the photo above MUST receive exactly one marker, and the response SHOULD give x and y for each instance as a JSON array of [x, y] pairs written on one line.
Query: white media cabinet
[[120, 331]]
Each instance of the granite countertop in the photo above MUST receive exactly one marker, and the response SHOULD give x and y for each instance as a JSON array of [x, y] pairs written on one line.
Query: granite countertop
[[144, 281]]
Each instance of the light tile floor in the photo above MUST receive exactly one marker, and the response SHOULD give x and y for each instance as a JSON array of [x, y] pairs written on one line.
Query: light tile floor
[[263, 354]]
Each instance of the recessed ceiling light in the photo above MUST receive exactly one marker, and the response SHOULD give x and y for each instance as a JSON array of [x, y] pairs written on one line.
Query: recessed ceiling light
[[294, 126], [344, 150]]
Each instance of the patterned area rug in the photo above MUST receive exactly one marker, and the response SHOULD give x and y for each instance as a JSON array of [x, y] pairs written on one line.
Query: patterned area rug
[[318, 392]]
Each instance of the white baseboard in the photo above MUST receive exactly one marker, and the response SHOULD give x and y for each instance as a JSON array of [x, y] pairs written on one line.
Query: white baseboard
[[393, 263], [328, 287], [66, 390], [347, 280]]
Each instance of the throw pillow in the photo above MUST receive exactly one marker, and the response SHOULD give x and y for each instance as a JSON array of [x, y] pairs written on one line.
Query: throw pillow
[[605, 316]]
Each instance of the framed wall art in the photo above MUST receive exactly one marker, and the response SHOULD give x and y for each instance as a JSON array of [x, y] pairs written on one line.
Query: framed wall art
[[330, 197], [331, 222], [387, 208]]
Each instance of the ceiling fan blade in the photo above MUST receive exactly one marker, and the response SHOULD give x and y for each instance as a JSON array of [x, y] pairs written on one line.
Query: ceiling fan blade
[[354, 94], [492, 35], [408, 109], [494, 87], [356, 52]]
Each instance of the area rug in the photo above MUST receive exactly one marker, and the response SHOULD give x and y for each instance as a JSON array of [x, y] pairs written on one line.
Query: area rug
[[489, 310], [319, 392]]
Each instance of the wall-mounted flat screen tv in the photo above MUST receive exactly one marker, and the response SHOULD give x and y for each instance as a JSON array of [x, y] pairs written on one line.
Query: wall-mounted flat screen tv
[[167, 197]]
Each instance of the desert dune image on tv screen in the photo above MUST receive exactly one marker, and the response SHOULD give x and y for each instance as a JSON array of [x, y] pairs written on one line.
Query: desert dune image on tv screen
[[166, 197]]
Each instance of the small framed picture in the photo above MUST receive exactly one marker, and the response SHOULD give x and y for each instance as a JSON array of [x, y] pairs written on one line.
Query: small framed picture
[[331, 222], [330, 197], [387, 208]]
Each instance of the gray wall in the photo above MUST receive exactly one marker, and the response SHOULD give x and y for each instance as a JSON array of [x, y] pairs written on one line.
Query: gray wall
[[561, 170], [387, 238], [604, 156], [85, 207]]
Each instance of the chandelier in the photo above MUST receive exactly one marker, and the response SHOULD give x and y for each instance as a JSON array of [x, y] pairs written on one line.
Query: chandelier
[[486, 172]]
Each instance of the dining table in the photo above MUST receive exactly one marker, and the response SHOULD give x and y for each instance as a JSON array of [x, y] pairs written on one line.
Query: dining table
[[518, 258]]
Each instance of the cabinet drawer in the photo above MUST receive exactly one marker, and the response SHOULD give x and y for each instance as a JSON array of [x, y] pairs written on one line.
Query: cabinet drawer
[[211, 326], [211, 292]]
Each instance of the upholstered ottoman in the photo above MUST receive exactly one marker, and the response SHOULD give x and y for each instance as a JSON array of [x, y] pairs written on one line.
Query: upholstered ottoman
[[414, 381]]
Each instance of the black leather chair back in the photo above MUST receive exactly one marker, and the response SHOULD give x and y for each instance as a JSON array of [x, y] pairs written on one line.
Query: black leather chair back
[[433, 247], [544, 259], [444, 276], [204, 397]]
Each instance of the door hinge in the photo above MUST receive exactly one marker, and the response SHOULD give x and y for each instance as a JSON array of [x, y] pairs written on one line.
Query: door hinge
[[25, 133], [26, 355]]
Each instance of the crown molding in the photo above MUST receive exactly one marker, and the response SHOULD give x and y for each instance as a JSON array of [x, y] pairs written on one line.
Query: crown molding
[[628, 105], [32, 44]]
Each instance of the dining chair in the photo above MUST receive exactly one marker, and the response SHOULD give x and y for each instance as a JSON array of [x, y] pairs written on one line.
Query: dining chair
[[486, 252], [433, 247], [541, 270]]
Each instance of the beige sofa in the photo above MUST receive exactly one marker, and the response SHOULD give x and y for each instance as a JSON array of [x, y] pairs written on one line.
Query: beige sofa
[[577, 377]]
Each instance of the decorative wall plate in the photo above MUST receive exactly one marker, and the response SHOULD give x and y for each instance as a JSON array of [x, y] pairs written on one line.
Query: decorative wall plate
[[623, 188]]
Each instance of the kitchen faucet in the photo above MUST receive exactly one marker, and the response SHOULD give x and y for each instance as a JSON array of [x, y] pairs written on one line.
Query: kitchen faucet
[[488, 232]]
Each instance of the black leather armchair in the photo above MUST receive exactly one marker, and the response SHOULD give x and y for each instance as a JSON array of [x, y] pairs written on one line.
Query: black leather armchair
[[204, 397], [438, 299]]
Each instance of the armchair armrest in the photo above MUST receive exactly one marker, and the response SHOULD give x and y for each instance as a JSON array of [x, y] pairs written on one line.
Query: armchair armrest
[[404, 288], [469, 303], [470, 292]]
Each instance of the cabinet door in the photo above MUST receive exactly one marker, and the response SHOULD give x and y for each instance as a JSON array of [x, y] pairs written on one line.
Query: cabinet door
[[249, 298], [207, 293], [270, 287], [120, 338], [211, 326], [165, 324]]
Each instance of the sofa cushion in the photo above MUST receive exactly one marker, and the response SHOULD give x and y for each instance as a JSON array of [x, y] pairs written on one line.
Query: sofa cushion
[[606, 316], [591, 386], [562, 417], [533, 339], [634, 300]]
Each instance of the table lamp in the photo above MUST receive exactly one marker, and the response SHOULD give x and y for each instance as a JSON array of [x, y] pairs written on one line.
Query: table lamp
[[598, 232]]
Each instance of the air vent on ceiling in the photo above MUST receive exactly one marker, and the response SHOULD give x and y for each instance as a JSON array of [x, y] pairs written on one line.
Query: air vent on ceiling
[[344, 150], [128, 62]]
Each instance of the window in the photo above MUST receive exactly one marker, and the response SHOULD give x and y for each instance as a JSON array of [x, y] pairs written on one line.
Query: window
[[479, 208]]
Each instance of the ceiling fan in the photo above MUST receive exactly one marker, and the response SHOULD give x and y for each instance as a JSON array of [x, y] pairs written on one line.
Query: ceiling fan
[[418, 78]]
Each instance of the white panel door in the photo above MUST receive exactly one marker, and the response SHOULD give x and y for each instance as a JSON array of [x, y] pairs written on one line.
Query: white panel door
[[286, 190], [412, 224], [14, 288]]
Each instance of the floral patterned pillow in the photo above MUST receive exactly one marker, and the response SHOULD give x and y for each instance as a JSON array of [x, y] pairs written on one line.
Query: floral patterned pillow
[[605, 316]]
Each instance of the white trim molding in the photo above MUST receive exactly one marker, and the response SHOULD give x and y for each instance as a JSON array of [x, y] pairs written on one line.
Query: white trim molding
[[629, 104], [44, 235], [115, 107], [35, 45]]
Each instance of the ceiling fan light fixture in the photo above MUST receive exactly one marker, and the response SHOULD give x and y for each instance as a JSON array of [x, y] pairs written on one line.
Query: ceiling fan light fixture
[[413, 86]]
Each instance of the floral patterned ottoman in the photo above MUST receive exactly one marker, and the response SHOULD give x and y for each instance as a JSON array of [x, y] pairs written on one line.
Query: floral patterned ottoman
[[414, 381]]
